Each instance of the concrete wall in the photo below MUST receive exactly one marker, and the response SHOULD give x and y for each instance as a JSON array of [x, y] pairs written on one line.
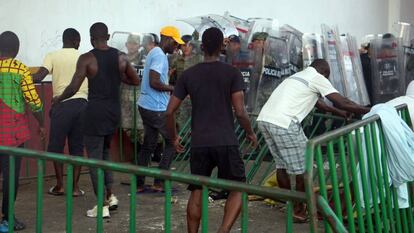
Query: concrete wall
[[40, 23]]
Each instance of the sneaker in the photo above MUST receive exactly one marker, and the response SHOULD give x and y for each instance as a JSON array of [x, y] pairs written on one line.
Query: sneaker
[[18, 226], [113, 202], [4, 226], [93, 213]]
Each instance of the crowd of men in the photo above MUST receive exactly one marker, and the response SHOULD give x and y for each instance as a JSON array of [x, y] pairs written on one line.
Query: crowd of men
[[87, 113]]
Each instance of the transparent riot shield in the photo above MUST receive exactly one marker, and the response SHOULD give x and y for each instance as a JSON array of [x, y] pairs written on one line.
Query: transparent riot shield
[[267, 25], [136, 46], [294, 38], [201, 23], [276, 68], [354, 83], [388, 79], [402, 30], [409, 64], [312, 48], [334, 57], [242, 26], [241, 56]]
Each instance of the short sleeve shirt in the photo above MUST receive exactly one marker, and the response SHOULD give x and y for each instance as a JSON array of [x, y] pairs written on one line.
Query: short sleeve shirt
[[210, 86], [150, 98], [61, 64], [295, 98]]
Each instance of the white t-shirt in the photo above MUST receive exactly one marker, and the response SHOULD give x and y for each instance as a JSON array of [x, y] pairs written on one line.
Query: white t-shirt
[[295, 97]]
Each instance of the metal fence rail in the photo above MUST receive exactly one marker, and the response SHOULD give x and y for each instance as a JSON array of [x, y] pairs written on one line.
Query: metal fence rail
[[168, 178], [350, 162], [259, 159]]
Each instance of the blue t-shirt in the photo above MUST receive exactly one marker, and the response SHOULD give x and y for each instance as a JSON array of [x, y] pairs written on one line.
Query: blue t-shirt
[[150, 98]]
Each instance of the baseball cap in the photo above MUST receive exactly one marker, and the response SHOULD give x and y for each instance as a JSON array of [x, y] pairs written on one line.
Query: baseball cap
[[172, 32], [234, 38]]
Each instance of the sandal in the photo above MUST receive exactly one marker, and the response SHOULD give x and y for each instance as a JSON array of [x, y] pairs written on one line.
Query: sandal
[[300, 219], [52, 191], [80, 194], [145, 190]]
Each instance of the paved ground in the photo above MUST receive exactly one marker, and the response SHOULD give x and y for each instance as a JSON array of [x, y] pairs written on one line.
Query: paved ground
[[150, 214]]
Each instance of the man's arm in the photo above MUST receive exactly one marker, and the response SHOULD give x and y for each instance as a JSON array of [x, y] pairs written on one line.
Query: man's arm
[[33, 100], [237, 99], [321, 105], [128, 73], [155, 82], [345, 104], [77, 80], [173, 105], [40, 74]]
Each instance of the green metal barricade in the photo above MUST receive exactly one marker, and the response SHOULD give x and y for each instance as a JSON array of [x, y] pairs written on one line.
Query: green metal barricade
[[347, 167], [258, 162], [168, 178]]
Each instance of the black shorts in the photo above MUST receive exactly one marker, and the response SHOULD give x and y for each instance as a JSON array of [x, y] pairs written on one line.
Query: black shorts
[[226, 158], [66, 123]]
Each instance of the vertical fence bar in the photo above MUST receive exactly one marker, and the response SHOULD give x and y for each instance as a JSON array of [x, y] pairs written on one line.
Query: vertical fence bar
[[132, 204], [322, 182], [245, 213], [404, 220], [289, 217], [364, 181], [99, 222], [309, 188], [12, 193], [388, 188], [396, 210], [334, 178], [347, 190], [69, 197], [379, 175], [204, 210], [39, 201], [135, 125], [361, 225], [167, 210], [372, 177], [410, 213]]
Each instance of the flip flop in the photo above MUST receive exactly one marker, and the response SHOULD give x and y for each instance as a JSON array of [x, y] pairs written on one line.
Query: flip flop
[[147, 190], [82, 193], [161, 190], [300, 219], [53, 192]]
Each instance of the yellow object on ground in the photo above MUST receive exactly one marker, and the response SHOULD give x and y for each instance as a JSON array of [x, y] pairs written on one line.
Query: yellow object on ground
[[271, 181]]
